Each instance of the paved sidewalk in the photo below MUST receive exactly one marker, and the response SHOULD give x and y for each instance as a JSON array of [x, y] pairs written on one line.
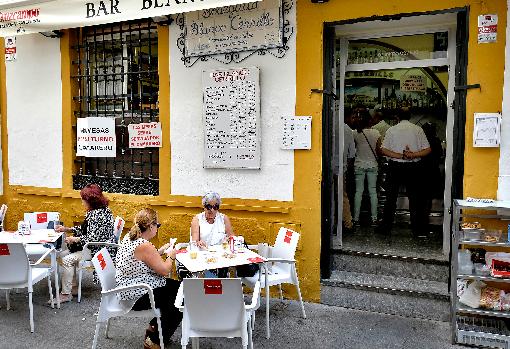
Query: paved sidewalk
[[325, 327]]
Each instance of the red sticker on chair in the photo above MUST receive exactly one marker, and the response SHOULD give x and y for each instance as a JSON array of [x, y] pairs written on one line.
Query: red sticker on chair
[[118, 225], [181, 251], [288, 237], [101, 260], [213, 287], [4, 250], [42, 217], [255, 260]]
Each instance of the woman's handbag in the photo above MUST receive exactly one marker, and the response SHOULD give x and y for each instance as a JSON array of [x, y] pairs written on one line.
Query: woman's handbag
[[247, 270]]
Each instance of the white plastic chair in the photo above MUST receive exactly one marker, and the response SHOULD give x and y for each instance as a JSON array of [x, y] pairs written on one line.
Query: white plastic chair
[[40, 220], [281, 268], [110, 305], [22, 273], [3, 211], [86, 262], [215, 308]]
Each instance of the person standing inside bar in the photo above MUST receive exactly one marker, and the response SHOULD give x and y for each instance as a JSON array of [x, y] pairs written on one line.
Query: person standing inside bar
[[404, 145]]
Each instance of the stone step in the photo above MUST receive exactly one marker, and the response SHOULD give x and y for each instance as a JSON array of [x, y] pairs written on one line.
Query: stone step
[[387, 294], [398, 266]]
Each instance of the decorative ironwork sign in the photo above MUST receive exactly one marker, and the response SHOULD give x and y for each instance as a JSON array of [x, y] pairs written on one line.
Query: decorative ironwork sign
[[233, 33]]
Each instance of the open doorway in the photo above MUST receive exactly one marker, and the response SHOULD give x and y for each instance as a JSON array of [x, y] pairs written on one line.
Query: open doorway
[[384, 79]]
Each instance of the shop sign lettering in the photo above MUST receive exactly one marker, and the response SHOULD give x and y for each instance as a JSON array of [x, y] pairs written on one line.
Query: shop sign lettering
[[96, 137]]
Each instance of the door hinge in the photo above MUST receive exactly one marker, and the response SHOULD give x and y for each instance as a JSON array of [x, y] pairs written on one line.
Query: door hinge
[[467, 87], [325, 92]]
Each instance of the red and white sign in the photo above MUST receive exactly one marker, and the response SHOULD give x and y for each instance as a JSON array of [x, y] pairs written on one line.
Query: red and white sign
[[42, 217], [4, 250], [213, 287], [487, 28], [145, 135], [10, 48]]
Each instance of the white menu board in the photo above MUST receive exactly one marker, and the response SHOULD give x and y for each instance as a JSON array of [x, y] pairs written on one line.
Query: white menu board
[[231, 115], [296, 132]]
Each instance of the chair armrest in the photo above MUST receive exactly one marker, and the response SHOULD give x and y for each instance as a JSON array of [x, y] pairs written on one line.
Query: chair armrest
[[130, 287], [253, 247], [50, 249], [255, 297], [106, 244], [280, 260], [179, 299]]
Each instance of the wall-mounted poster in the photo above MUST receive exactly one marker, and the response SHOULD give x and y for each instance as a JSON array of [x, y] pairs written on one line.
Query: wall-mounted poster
[[296, 132], [231, 114], [145, 135], [242, 27], [486, 132], [487, 28], [413, 82], [96, 137]]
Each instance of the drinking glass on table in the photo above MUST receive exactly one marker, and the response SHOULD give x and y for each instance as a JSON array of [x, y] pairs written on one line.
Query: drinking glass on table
[[193, 250]]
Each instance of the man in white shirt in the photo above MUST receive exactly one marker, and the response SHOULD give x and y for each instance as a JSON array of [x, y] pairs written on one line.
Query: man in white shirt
[[349, 155], [404, 145]]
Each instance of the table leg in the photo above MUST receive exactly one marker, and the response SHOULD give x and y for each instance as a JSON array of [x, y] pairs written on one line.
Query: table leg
[[55, 271], [268, 333]]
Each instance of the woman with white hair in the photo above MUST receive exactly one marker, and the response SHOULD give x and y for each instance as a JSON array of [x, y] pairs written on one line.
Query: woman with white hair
[[210, 227]]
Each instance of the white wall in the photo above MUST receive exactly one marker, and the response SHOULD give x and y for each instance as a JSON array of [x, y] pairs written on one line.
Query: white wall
[[34, 113], [274, 181]]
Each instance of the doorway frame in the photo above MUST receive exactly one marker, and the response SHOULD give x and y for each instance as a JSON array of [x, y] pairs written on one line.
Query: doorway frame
[[456, 60]]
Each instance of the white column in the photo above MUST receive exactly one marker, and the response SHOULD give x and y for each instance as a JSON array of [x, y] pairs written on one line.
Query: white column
[[504, 157]]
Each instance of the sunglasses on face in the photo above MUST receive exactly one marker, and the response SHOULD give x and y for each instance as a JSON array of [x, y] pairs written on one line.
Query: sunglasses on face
[[210, 207], [158, 225]]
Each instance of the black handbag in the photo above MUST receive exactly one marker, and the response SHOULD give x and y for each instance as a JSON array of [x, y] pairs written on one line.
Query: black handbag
[[78, 246], [247, 270]]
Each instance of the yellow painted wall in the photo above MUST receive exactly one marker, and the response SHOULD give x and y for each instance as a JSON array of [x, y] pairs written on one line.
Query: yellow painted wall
[[259, 220]]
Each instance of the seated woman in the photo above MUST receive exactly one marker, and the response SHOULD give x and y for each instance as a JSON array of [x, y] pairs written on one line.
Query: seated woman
[[97, 227], [210, 227], [138, 261]]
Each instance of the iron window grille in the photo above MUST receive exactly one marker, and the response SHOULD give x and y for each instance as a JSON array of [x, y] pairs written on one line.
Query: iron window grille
[[116, 74]]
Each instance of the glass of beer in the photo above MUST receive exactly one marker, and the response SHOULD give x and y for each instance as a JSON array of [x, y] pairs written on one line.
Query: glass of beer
[[193, 250], [224, 243]]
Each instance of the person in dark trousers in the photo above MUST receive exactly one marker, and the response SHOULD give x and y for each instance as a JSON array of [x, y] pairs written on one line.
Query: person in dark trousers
[[432, 166], [404, 145], [138, 261]]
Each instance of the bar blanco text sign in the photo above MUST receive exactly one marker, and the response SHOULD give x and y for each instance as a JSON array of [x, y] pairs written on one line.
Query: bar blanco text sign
[[145, 135], [96, 137], [231, 113], [243, 27], [296, 132]]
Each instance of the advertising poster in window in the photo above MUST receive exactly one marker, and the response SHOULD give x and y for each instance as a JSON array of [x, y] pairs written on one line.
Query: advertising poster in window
[[242, 27], [231, 116], [96, 137], [145, 135]]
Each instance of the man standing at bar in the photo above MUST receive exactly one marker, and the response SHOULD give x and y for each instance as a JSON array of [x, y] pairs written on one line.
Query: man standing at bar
[[404, 145]]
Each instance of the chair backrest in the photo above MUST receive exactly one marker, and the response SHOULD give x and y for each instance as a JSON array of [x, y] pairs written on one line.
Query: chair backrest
[[285, 244], [105, 269], [3, 210], [13, 264], [40, 220], [118, 226], [214, 304]]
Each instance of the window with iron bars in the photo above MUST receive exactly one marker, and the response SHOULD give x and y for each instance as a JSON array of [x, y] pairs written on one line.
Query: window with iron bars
[[116, 71]]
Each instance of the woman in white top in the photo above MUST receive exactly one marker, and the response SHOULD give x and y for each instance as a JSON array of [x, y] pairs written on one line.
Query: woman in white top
[[210, 227], [138, 261], [368, 143]]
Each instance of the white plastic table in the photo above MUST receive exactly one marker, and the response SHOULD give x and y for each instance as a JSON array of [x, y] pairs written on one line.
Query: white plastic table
[[39, 236]]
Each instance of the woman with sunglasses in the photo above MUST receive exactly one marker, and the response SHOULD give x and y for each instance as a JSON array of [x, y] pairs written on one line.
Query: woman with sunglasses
[[210, 227], [138, 261]]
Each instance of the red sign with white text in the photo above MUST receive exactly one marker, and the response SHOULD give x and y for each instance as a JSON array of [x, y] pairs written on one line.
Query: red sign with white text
[[213, 287], [4, 250], [42, 217]]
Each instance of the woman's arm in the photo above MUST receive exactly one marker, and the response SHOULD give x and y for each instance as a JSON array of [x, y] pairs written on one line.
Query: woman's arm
[[148, 254], [195, 229], [228, 226]]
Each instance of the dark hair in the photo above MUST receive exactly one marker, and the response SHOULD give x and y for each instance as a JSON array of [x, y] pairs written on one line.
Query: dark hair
[[93, 195], [404, 114], [363, 121]]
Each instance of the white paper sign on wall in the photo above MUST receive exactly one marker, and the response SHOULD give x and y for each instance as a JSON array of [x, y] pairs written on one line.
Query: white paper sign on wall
[[487, 28], [296, 132], [487, 130], [10, 48], [145, 135], [231, 114], [96, 137]]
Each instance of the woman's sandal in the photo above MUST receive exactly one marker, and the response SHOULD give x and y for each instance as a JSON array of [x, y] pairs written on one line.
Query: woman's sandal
[[147, 342], [63, 299]]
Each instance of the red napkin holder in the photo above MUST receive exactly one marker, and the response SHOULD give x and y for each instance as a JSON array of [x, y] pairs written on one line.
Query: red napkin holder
[[500, 268]]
